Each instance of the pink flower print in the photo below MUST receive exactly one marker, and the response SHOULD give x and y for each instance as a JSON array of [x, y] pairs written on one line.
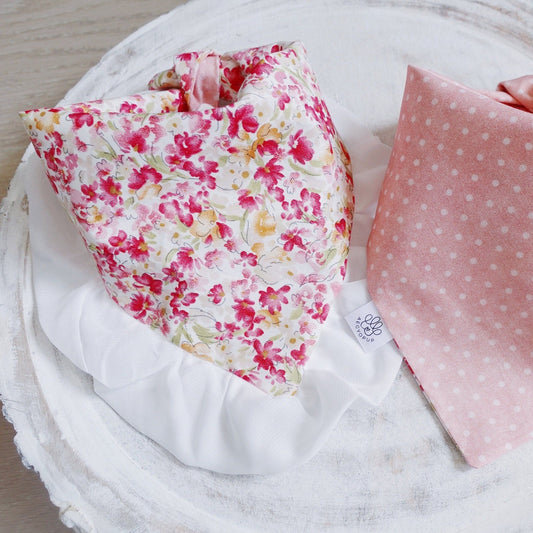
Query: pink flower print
[[342, 227], [306, 327], [198, 123], [213, 259], [277, 194], [244, 310], [217, 113], [205, 175], [181, 297], [234, 77], [224, 231], [269, 174], [243, 116], [257, 332], [224, 142], [319, 112], [249, 258], [299, 355], [193, 205], [186, 81], [187, 145], [216, 293], [119, 241], [156, 129], [121, 286], [140, 177], [320, 311], [342, 271], [172, 273], [280, 76], [310, 201], [226, 330], [277, 374], [150, 218], [154, 285], [170, 209], [275, 48], [231, 327], [271, 147], [240, 288], [230, 245], [280, 93], [89, 191], [301, 147], [50, 158], [247, 201], [106, 259], [184, 258], [140, 304], [164, 326], [57, 140], [180, 314], [130, 107], [80, 119], [250, 376], [133, 140], [110, 191], [138, 249], [266, 354], [103, 168], [80, 145], [259, 66], [185, 217], [321, 288], [292, 239], [272, 299]]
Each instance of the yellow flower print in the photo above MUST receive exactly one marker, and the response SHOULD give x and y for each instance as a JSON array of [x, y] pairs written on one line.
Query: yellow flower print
[[247, 152], [264, 224], [95, 216], [149, 190], [200, 349], [204, 223], [266, 133], [46, 121]]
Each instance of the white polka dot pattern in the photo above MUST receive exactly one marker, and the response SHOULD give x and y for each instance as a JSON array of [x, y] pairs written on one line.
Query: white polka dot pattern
[[450, 259]]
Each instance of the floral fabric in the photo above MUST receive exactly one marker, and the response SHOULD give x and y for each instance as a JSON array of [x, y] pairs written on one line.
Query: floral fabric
[[218, 207]]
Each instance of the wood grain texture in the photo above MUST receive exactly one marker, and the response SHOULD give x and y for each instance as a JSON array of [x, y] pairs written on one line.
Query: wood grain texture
[[45, 48]]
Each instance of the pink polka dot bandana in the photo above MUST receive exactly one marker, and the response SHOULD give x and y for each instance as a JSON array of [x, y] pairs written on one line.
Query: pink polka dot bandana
[[450, 257]]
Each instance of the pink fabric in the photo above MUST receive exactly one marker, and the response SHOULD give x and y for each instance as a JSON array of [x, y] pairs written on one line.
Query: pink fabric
[[206, 77], [450, 257], [520, 91]]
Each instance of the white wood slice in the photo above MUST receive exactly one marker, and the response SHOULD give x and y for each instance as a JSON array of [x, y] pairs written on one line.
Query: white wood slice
[[390, 468]]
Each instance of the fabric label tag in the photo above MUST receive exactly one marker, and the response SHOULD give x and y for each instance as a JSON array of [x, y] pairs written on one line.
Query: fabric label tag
[[368, 327]]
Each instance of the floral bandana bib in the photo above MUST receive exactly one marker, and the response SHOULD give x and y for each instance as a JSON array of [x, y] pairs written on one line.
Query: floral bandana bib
[[217, 206]]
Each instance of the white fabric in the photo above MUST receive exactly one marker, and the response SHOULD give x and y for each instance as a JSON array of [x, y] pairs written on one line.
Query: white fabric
[[204, 415]]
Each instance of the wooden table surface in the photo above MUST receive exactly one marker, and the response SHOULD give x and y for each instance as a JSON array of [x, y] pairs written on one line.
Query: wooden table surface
[[46, 47]]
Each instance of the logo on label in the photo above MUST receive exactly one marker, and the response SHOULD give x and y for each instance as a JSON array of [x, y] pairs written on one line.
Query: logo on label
[[368, 327]]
